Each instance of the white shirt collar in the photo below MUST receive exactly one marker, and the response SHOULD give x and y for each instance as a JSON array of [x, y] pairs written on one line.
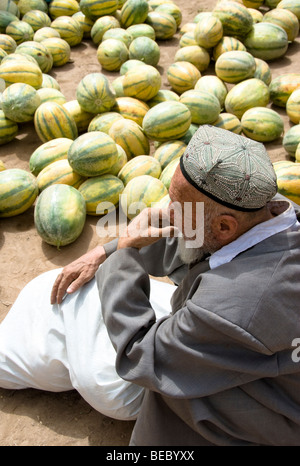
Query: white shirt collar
[[286, 218]]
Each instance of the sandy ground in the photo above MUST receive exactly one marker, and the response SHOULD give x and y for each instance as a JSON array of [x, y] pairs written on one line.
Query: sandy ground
[[30, 417]]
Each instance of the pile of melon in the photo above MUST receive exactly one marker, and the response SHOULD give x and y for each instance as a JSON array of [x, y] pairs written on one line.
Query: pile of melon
[[120, 141]]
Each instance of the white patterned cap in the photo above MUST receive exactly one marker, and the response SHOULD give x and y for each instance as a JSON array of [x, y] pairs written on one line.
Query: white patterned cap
[[229, 168]]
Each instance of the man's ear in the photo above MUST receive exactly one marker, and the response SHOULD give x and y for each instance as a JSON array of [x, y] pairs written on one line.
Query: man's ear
[[224, 227]]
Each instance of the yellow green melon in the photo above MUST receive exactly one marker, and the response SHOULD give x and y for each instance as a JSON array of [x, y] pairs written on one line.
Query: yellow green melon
[[141, 192], [101, 193]]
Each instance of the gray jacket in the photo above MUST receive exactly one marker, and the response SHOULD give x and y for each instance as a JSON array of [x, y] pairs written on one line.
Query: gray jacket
[[219, 370]]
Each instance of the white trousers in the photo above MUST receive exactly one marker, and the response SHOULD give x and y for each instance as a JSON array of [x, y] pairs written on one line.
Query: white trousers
[[65, 347]]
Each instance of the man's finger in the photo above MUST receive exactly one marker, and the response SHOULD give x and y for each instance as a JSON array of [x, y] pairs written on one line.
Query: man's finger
[[55, 288], [59, 289]]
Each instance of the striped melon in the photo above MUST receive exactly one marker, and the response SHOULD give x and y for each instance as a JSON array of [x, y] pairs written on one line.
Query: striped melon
[[163, 203], [173, 10], [80, 116], [250, 93], [253, 3], [48, 94], [22, 58], [50, 82], [167, 121], [14, 71], [131, 108], [93, 154], [142, 82], [18, 191], [138, 30], [163, 95], [213, 85], [168, 172], [10, 6], [119, 164], [266, 41], [103, 121], [60, 214], [101, 25], [130, 136], [235, 66], [227, 44], [2, 55], [263, 71], [291, 5], [94, 93], [168, 151], [281, 88], [130, 64], [187, 39], [69, 29], [27, 5], [204, 106], [49, 152], [20, 31], [94, 9], [8, 129], [117, 85], [285, 19], [63, 8], [281, 164], [291, 140], [58, 172], [182, 76], [7, 43], [37, 19], [51, 121], [163, 24], [111, 54], [85, 23], [297, 153], [293, 106], [257, 15], [262, 124], [141, 192], [59, 49], [39, 52], [228, 121], [200, 15], [194, 54], [101, 194], [134, 12], [5, 19], [190, 133], [156, 3], [235, 18], [118, 33], [209, 31], [19, 102], [140, 165], [46, 32], [288, 182], [144, 49]]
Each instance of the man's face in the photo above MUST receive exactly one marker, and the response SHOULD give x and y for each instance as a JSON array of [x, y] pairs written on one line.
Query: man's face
[[186, 209], [187, 214]]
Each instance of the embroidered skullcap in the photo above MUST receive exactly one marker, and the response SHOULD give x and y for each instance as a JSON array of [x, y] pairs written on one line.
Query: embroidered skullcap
[[229, 168]]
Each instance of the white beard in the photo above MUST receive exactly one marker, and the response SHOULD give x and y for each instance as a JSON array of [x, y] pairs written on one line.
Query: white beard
[[189, 255]]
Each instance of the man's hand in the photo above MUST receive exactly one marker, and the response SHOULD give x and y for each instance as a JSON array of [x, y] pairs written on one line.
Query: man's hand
[[77, 273], [147, 228]]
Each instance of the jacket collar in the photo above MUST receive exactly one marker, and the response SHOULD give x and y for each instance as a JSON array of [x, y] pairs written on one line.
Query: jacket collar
[[284, 219]]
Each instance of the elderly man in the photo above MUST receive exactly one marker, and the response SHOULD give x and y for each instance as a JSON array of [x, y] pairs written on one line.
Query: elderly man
[[219, 364]]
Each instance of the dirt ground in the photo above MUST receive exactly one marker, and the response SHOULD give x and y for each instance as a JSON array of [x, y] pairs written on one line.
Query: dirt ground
[[34, 418]]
